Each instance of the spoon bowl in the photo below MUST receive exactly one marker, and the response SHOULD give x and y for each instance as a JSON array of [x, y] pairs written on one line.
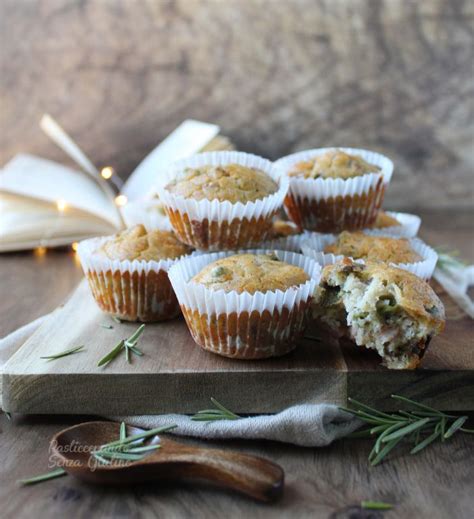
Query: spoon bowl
[[173, 461]]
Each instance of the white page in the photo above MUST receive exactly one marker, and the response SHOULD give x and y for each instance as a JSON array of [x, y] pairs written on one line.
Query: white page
[[33, 177], [186, 140]]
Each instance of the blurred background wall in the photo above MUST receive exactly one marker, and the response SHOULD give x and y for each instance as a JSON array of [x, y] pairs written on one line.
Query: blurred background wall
[[276, 75]]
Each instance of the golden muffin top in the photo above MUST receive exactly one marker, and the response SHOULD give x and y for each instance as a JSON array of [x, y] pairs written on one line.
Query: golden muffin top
[[358, 245], [231, 182], [333, 164], [250, 273], [414, 294], [385, 220], [137, 243], [283, 228]]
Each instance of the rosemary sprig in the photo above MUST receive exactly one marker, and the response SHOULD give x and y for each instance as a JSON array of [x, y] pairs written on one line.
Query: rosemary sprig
[[211, 415], [129, 448], [375, 505], [64, 353], [107, 326], [422, 425], [56, 473], [129, 345], [448, 259]]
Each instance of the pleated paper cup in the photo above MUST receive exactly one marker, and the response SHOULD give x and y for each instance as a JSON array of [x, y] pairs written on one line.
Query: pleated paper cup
[[335, 204], [244, 326], [130, 290], [213, 225], [408, 228], [289, 243], [313, 247]]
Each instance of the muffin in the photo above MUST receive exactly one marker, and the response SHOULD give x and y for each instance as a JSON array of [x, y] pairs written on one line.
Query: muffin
[[358, 245], [409, 254], [380, 307], [223, 200], [332, 189], [127, 273], [404, 225], [247, 305]]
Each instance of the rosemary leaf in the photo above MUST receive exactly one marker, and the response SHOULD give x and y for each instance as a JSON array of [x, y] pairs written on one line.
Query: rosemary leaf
[[123, 431], [135, 350], [375, 505], [64, 353], [388, 447], [145, 434], [133, 339], [108, 326], [116, 319], [56, 473], [211, 415], [430, 439], [405, 430], [457, 424], [112, 354]]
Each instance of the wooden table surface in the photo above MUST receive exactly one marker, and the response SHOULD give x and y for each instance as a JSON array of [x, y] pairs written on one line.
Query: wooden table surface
[[324, 482]]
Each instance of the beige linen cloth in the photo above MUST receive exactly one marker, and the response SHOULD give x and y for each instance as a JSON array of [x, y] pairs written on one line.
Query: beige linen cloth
[[308, 425]]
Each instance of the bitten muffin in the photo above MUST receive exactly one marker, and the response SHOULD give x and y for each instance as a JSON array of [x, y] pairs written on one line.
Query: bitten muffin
[[332, 189], [385, 220], [223, 200], [231, 182], [358, 245], [246, 306], [379, 307], [333, 164], [127, 273], [250, 273]]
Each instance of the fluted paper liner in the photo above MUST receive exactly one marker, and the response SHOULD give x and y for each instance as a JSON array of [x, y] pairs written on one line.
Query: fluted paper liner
[[215, 225], [315, 243], [130, 290], [244, 326], [147, 212], [336, 204], [408, 228]]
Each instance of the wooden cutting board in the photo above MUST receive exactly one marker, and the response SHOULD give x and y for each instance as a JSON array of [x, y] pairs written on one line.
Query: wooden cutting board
[[175, 375]]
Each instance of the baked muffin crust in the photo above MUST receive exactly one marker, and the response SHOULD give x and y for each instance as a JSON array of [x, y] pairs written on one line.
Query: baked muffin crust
[[385, 220], [358, 245], [137, 243], [231, 182], [333, 164], [250, 273]]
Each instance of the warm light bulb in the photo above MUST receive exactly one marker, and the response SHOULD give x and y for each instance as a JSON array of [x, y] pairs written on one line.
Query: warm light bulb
[[40, 251], [74, 246], [121, 200], [107, 172], [61, 205]]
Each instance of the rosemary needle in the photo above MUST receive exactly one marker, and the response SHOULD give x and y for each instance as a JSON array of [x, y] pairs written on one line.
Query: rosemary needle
[[112, 354], [129, 345], [44, 477], [375, 505], [64, 353], [212, 415], [108, 326]]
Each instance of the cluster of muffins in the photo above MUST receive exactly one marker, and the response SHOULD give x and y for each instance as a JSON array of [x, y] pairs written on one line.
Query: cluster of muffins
[[229, 263]]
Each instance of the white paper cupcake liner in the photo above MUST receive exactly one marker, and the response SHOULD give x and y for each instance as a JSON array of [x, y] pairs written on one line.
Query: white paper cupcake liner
[[324, 203], [289, 243], [149, 213], [245, 326], [408, 228], [131, 290], [215, 225], [313, 247]]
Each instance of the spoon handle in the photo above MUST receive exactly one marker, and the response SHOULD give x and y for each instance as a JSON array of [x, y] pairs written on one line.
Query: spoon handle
[[250, 475]]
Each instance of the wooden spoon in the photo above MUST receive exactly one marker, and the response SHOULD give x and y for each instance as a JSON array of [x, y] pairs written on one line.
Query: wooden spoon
[[250, 475]]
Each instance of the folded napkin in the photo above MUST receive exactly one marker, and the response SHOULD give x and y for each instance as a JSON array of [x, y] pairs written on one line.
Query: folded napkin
[[308, 425]]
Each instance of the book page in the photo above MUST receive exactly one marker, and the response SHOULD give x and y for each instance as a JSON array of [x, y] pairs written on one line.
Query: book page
[[47, 181]]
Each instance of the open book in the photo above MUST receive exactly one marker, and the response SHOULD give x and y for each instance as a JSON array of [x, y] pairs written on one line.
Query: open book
[[43, 203]]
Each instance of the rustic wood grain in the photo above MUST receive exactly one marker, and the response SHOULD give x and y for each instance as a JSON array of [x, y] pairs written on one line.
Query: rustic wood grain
[[324, 483], [277, 75]]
